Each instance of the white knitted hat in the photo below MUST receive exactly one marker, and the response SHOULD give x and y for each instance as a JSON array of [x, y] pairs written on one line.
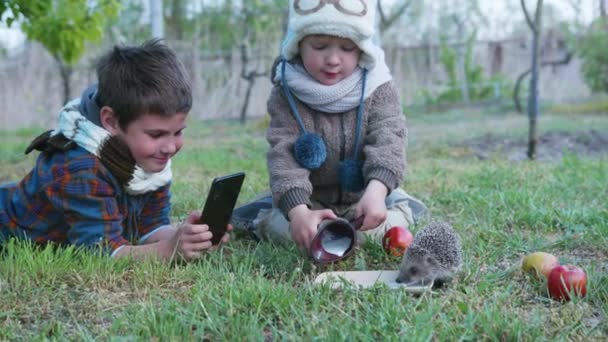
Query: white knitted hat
[[352, 19]]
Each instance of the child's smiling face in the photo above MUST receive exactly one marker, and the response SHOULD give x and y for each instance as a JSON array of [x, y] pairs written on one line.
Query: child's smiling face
[[329, 59], [152, 139]]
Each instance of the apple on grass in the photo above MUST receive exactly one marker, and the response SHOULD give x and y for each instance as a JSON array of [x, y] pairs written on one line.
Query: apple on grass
[[396, 240], [539, 263], [565, 280]]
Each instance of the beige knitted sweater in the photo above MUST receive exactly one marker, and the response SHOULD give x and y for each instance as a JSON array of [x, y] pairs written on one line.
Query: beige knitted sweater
[[383, 144]]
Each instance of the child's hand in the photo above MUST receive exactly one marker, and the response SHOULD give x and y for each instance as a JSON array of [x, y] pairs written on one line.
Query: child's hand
[[372, 205], [304, 222], [192, 239], [195, 217]]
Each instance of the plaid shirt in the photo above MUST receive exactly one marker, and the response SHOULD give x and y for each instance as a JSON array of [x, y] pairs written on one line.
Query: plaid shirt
[[71, 197]]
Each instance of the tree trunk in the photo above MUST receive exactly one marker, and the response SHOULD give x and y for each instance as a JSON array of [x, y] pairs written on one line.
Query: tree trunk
[[175, 21], [250, 84], [564, 61], [66, 74], [533, 103], [461, 61], [464, 82]]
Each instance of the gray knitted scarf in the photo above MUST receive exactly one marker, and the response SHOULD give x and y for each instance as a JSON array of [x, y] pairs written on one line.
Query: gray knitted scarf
[[337, 98]]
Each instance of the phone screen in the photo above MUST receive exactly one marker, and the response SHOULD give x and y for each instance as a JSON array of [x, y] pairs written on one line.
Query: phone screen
[[220, 202]]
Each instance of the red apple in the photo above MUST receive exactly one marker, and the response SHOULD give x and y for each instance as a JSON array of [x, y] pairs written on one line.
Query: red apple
[[566, 279], [539, 263], [396, 240]]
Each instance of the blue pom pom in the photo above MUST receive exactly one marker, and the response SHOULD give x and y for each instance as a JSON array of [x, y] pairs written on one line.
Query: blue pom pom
[[310, 151], [351, 175]]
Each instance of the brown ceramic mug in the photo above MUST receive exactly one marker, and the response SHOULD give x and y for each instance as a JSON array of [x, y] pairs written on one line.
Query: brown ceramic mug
[[335, 240]]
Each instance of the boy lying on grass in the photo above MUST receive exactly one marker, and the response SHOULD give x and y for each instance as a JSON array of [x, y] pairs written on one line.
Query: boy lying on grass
[[103, 177]]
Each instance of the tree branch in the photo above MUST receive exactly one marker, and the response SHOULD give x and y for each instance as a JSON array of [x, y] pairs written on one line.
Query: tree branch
[[249, 76], [245, 61], [385, 22], [381, 12], [567, 58], [527, 14], [538, 14]]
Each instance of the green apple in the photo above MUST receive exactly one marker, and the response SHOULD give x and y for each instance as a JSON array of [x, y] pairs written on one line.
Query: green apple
[[539, 264]]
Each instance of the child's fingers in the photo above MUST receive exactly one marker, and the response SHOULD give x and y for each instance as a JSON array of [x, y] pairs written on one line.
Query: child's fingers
[[373, 220], [197, 237], [199, 246], [309, 237], [194, 217], [368, 223], [304, 239], [359, 211], [298, 237], [301, 241], [194, 228], [327, 214]]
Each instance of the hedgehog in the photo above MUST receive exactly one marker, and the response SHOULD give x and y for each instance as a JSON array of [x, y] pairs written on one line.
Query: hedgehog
[[434, 256]]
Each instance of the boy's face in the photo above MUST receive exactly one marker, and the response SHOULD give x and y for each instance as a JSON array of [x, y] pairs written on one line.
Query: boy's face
[[329, 59], [153, 139]]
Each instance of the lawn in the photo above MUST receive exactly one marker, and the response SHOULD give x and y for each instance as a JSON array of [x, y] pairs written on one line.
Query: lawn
[[502, 210]]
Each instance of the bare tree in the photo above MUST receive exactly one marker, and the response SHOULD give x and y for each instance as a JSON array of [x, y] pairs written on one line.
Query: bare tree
[[461, 55], [388, 21], [533, 103], [66, 71], [516, 90], [175, 21], [250, 77]]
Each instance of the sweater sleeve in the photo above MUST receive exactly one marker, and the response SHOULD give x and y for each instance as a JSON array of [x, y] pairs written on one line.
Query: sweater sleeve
[[386, 139], [90, 210], [155, 213], [289, 182]]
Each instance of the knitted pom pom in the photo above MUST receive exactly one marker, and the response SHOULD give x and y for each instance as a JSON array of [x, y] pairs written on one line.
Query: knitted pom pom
[[310, 151], [351, 175]]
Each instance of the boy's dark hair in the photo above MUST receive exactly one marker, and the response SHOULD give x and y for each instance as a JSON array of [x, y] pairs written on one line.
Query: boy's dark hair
[[146, 79]]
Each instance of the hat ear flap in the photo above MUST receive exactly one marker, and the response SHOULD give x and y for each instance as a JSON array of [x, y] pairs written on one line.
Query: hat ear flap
[[310, 151]]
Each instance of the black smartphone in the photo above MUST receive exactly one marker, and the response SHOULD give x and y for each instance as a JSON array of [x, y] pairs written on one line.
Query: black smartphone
[[220, 202]]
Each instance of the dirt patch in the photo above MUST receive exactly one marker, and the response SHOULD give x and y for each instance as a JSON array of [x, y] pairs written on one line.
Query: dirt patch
[[551, 145]]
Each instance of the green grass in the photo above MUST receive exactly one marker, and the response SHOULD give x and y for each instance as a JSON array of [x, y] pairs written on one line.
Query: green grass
[[261, 291], [599, 105]]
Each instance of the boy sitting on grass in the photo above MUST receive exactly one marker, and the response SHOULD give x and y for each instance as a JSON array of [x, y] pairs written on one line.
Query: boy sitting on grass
[[103, 177]]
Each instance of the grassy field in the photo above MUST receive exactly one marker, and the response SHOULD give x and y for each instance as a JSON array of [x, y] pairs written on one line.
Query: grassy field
[[260, 291]]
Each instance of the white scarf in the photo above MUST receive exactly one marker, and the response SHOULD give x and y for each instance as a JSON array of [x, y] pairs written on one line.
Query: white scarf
[[91, 137], [337, 98]]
